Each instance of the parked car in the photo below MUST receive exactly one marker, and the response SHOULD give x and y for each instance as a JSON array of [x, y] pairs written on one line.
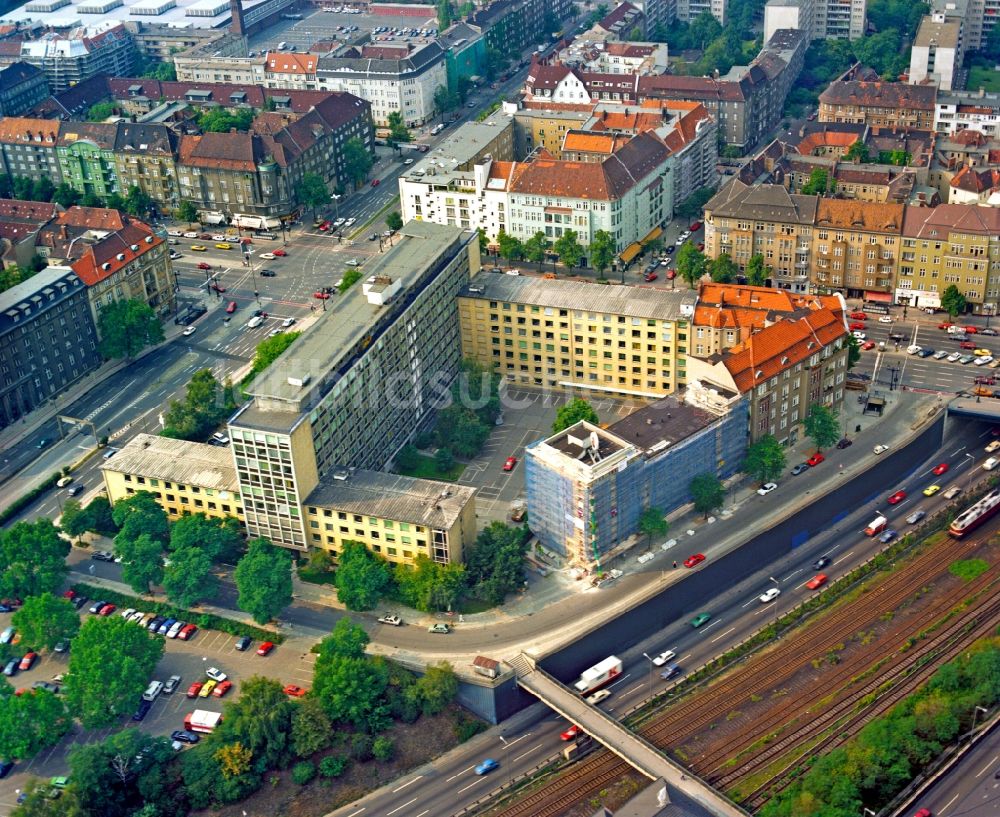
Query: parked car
[[28, 661], [799, 469], [815, 460], [216, 674], [185, 736], [222, 689], [390, 618], [766, 488], [265, 648], [439, 628], [194, 690], [294, 691], [243, 643], [171, 684], [694, 560]]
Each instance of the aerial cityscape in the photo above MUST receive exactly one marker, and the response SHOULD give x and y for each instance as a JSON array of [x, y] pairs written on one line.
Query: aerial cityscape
[[499, 408]]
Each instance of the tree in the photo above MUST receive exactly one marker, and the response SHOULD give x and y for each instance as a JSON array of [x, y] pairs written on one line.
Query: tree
[[127, 327], [311, 191], [572, 412], [818, 183], [346, 639], [652, 523], [494, 565], [42, 189], [268, 351], [186, 211], [535, 247], [445, 100], [953, 301], [443, 14], [757, 272], [32, 559], [234, 759], [765, 459], [72, 519], [126, 656], [444, 460], [260, 719], [853, 351], [690, 264], [351, 689], [264, 580], [694, 205], [101, 111], [188, 579], [30, 722], [311, 727], [858, 152], [569, 249], [66, 195], [362, 577], [45, 620], [510, 247], [821, 426], [137, 202], [398, 132], [723, 269], [138, 514], [357, 160], [223, 120], [201, 410], [218, 538], [427, 585], [394, 221], [602, 250], [707, 493], [142, 561], [438, 687]]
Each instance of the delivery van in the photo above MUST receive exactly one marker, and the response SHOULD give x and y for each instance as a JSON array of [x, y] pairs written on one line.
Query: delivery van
[[876, 526]]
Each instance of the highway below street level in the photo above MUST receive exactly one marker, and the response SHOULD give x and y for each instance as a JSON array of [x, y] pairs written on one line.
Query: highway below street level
[[972, 787]]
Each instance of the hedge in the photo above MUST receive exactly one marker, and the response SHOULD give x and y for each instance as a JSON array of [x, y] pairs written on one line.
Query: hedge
[[24, 500], [206, 621]]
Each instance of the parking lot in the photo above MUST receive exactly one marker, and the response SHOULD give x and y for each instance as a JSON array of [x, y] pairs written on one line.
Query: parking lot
[[290, 663], [324, 26]]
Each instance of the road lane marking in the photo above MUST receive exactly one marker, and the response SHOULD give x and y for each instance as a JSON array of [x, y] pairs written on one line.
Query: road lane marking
[[473, 783], [792, 574], [525, 754], [355, 813], [723, 635], [422, 813], [751, 601], [399, 808], [459, 774], [953, 799], [626, 675], [842, 558], [415, 779]]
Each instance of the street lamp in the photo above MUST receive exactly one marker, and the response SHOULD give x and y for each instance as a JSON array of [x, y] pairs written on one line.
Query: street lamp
[[868, 811], [975, 714], [651, 665], [972, 467]]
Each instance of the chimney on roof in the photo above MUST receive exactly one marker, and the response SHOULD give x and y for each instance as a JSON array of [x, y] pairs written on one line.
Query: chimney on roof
[[63, 232]]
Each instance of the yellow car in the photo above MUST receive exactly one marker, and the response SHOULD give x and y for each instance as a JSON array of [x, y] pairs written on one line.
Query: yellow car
[[981, 352], [223, 246], [930, 490], [206, 690], [198, 248]]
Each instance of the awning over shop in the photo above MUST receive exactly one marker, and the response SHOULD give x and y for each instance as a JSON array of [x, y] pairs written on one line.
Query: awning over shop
[[654, 234], [878, 297], [630, 252]]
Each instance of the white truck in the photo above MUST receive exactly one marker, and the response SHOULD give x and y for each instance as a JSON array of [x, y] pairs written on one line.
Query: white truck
[[201, 720], [598, 675]]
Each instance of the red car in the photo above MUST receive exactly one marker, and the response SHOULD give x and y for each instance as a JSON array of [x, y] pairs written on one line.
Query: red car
[[205, 236], [897, 497], [971, 330], [695, 226], [940, 469], [815, 460], [194, 689], [924, 812], [187, 632], [510, 463], [27, 661], [222, 689], [857, 325], [203, 265], [868, 344], [816, 581], [859, 316], [376, 182], [571, 733], [107, 610], [69, 594], [279, 253], [323, 296], [695, 559], [324, 226], [650, 276], [967, 344], [944, 325], [218, 288], [231, 307], [265, 648], [701, 246], [295, 691], [246, 241]]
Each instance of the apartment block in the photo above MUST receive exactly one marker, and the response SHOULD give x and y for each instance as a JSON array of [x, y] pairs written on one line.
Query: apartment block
[[28, 147], [358, 384], [235, 70], [69, 59], [956, 111], [22, 86], [782, 370], [950, 244], [86, 154], [184, 477], [879, 104], [48, 341], [840, 19], [689, 10], [937, 52], [587, 486], [145, 157], [560, 334]]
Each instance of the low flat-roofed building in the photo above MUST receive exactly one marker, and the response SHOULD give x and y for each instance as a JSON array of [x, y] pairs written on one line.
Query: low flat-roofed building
[[397, 517], [185, 477], [588, 486]]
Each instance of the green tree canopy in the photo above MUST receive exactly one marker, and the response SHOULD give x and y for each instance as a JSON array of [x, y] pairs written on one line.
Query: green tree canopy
[[311, 191], [101, 111], [358, 160], [573, 412], [694, 205], [127, 327], [818, 183], [438, 687], [602, 251], [723, 270], [691, 263], [312, 730], [509, 247], [652, 523], [72, 519], [186, 211], [140, 514], [264, 580], [268, 351], [66, 195], [142, 561], [260, 719], [494, 565], [853, 351], [137, 202], [858, 152], [821, 426], [32, 559], [765, 459], [398, 132], [30, 722], [219, 538], [394, 221], [953, 302], [757, 272], [188, 578], [351, 689], [222, 120], [203, 408], [427, 585], [126, 656], [362, 577], [45, 620], [535, 247], [569, 249], [707, 493]]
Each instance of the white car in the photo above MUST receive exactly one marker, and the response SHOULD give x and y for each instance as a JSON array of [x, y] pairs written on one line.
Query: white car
[[349, 222], [190, 235], [912, 349], [128, 613], [766, 488], [219, 237], [188, 332], [268, 256], [941, 355], [885, 319], [175, 233], [597, 697], [663, 657], [982, 361], [288, 322], [513, 272], [769, 595], [175, 629], [859, 335], [954, 356], [339, 222], [993, 446], [216, 674], [991, 463], [880, 449], [407, 161], [175, 255]]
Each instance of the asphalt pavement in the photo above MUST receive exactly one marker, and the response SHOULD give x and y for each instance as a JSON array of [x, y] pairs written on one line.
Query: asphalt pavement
[[971, 788]]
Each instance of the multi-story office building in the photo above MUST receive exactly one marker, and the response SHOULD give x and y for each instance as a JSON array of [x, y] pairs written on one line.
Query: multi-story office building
[[358, 384], [86, 153], [28, 147], [950, 244], [587, 486], [48, 341], [22, 86], [184, 477], [562, 334], [879, 104]]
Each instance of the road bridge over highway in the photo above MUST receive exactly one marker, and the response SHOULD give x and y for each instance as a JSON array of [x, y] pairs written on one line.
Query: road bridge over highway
[[985, 408], [631, 748]]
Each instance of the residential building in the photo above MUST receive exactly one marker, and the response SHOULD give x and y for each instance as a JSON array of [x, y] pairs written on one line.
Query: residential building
[[399, 518], [464, 52], [796, 14], [950, 244], [511, 26], [689, 10], [937, 52], [237, 70], [879, 104], [840, 19], [743, 220], [978, 19], [975, 186], [145, 157], [28, 147], [782, 370], [48, 341], [20, 222], [956, 111], [560, 334], [357, 385], [86, 154], [184, 477], [22, 86], [587, 486], [68, 59], [660, 14], [597, 53], [622, 21], [284, 69]]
